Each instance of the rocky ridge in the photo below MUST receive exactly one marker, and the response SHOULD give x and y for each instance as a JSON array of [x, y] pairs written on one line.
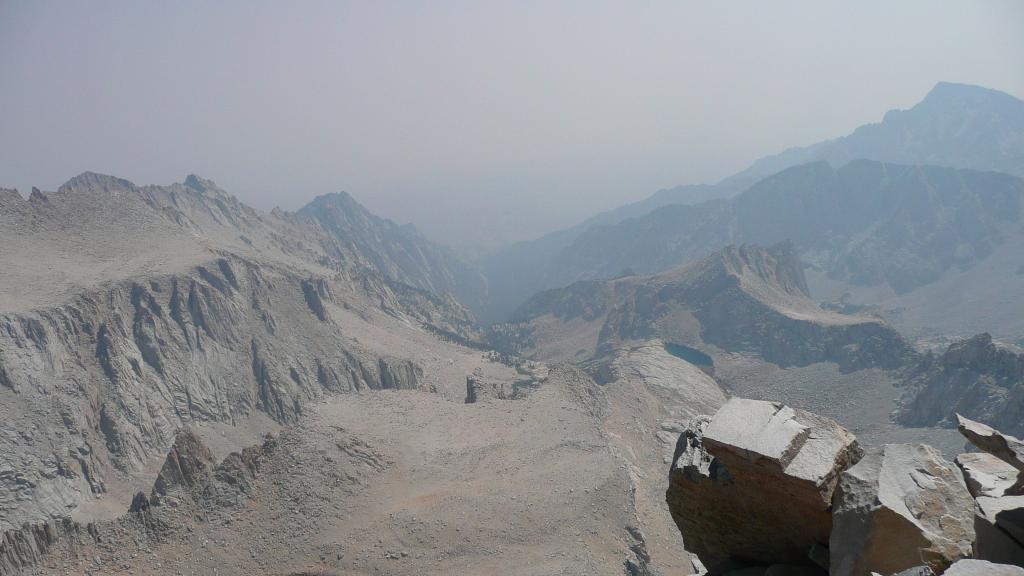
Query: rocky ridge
[[955, 125], [740, 299], [177, 304]]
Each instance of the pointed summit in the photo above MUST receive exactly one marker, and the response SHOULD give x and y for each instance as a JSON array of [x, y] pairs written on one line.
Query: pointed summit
[[199, 184]]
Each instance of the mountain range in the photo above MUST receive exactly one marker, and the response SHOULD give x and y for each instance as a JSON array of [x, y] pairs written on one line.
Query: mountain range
[[955, 125]]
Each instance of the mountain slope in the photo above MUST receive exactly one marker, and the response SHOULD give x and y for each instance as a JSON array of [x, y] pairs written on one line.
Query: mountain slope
[[865, 224], [400, 252], [744, 299], [129, 311], [955, 125]]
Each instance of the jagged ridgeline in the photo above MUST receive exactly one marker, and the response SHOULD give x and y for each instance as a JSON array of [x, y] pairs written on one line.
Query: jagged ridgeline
[[740, 299], [128, 311], [907, 203]]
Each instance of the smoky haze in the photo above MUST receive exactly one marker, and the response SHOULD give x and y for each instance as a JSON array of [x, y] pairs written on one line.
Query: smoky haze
[[482, 123]]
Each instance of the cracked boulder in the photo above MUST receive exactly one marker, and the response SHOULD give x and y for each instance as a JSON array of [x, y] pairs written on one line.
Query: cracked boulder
[[900, 506], [985, 474], [1003, 446], [754, 483]]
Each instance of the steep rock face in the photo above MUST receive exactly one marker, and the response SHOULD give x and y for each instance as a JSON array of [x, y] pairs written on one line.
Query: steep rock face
[[899, 506], [755, 482], [23, 548], [401, 252], [745, 299], [975, 377], [108, 379]]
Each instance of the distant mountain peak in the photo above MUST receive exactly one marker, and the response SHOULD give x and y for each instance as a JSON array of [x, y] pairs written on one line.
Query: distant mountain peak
[[87, 181], [200, 184], [948, 90]]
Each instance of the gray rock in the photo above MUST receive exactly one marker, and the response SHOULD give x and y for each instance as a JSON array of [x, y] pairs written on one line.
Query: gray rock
[[983, 568], [900, 505], [1003, 446], [756, 481], [985, 474], [999, 525]]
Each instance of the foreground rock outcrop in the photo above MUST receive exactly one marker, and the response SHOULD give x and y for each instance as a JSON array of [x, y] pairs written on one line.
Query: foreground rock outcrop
[[900, 506], [762, 488], [755, 482], [999, 511]]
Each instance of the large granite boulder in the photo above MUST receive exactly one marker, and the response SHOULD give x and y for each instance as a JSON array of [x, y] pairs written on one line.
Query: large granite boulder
[[900, 506], [755, 483]]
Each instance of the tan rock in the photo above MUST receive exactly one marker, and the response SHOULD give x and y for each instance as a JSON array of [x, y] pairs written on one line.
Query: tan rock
[[985, 474], [900, 506]]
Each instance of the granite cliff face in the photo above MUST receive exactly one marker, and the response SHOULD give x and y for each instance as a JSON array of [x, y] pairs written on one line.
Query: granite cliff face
[[746, 299], [129, 312]]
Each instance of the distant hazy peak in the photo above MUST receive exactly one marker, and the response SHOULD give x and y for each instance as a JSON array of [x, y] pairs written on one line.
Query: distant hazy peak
[[88, 181], [336, 201], [952, 93], [199, 183]]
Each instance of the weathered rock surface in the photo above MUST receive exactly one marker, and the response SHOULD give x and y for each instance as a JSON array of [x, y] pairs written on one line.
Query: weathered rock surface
[[982, 568], [900, 506], [975, 377], [1003, 446], [985, 474], [999, 525], [755, 482]]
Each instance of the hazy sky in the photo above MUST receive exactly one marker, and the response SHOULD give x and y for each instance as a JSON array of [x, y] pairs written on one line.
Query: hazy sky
[[478, 121]]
